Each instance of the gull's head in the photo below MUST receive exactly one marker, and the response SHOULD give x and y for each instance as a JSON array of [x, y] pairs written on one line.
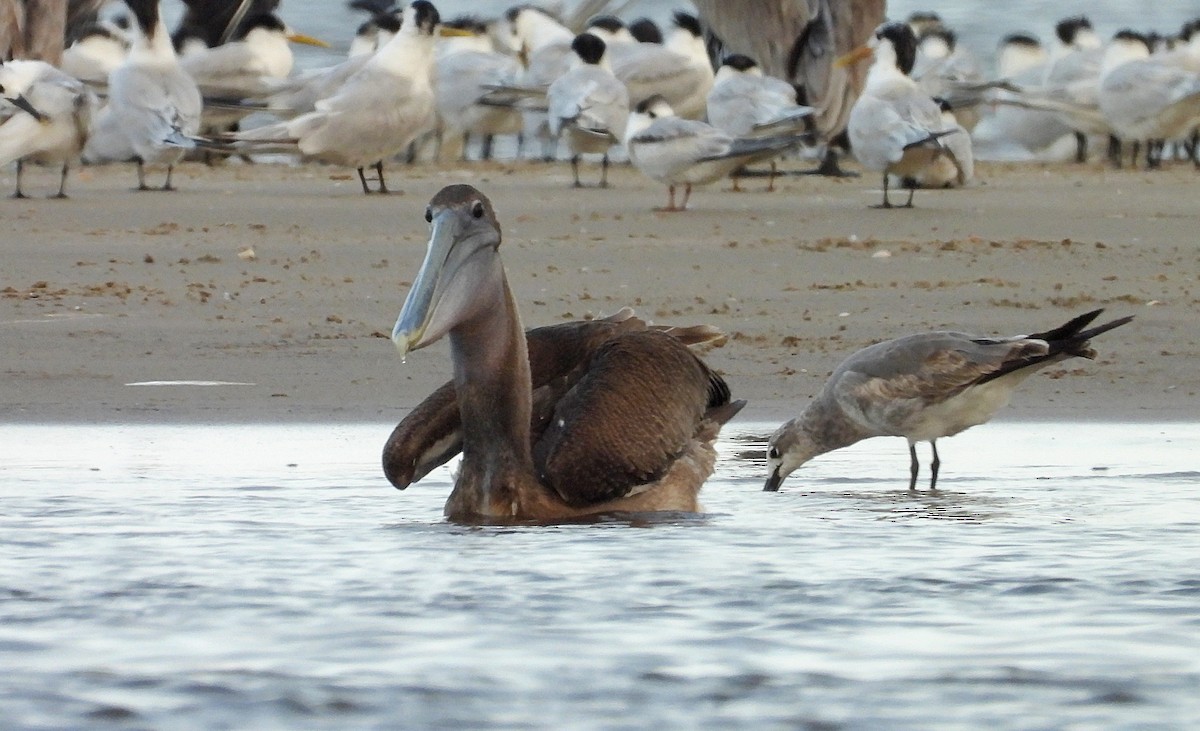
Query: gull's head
[[645, 113], [937, 43], [645, 30], [461, 266], [589, 48], [924, 21], [737, 65], [788, 448], [610, 29], [893, 46], [1126, 45], [1018, 52], [1076, 33]]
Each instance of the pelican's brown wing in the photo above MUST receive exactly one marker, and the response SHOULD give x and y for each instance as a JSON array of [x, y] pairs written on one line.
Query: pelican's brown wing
[[634, 411], [430, 435]]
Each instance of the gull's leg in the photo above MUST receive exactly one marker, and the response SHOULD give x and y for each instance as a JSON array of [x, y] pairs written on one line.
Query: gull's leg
[[604, 171], [687, 193], [933, 466], [363, 179], [382, 183], [575, 170], [913, 467], [62, 182], [911, 189], [167, 185], [886, 203], [141, 170], [18, 193]]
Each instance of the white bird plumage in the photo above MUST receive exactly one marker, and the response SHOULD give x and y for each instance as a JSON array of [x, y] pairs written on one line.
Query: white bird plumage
[[588, 105]]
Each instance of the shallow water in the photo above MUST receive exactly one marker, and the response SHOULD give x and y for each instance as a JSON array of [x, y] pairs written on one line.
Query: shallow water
[[268, 577]]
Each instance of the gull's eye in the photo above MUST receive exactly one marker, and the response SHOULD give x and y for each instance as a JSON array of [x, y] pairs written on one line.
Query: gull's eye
[[477, 209], [428, 214], [773, 453]]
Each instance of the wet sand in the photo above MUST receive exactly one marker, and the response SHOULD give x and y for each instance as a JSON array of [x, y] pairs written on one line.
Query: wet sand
[[288, 280]]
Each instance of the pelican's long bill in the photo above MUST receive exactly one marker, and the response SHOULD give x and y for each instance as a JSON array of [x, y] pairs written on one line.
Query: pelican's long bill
[[853, 57], [460, 259]]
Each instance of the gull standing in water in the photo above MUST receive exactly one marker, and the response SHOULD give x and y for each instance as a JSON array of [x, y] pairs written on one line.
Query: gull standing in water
[[383, 107], [588, 105], [153, 106], [586, 418], [895, 127], [921, 387], [745, 103], [688, 152], [50, 119]]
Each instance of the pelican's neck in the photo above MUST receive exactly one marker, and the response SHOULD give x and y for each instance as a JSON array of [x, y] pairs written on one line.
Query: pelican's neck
[[491, 376]]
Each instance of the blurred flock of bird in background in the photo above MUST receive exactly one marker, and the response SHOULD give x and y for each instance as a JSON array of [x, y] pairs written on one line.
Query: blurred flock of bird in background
[[736, 86]]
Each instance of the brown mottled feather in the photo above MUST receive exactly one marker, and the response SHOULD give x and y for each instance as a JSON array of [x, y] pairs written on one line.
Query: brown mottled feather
[[558, 358], [612, 433]]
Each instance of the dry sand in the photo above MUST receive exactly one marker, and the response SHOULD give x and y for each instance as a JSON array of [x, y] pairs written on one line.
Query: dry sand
[[114, 287]]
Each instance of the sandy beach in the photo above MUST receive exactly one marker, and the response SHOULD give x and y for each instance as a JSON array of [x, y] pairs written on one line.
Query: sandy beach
[[287, 280]]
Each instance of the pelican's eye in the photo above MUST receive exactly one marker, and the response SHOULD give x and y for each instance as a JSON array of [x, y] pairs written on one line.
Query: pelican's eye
[[428, 214], [477, 209], [773, 453]]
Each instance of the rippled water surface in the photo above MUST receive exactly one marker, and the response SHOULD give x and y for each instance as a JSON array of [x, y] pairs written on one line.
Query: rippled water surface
[[268, 577]]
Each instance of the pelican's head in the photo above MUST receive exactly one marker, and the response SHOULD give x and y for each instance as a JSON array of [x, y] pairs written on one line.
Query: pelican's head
[[461, 263], [788, 448]]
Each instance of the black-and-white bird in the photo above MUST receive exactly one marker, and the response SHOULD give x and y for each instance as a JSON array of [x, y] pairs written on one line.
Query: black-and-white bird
[[687, 152], [895, 127], [48, 121], [154, 106], [588, 105]]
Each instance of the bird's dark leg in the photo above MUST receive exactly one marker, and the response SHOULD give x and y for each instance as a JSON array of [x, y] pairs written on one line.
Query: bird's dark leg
[[1081, 142], [382, 183], [829, 167], [363, 179], [1114, 151], [771, 179], [604, 171], [912, 188], [575, 170], [1133, 155], [62, 182], [933, 467], [167, 185], [886, 203], [18, 193], [913, 466], [485, 152], [1154, 154], [141, 171]]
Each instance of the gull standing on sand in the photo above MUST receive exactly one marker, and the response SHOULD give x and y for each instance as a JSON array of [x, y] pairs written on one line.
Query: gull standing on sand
[[545, 45], [678, 70], [688, 152], [895, 127], [466, 68], [153, 106], [745, 103], [50, 122], [588, 105], [921, 387], [383, 107], [1145, 99]]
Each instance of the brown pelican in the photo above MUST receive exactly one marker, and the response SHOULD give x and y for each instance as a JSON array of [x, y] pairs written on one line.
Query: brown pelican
[[921, 387], [603, 417], [798, 40]]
